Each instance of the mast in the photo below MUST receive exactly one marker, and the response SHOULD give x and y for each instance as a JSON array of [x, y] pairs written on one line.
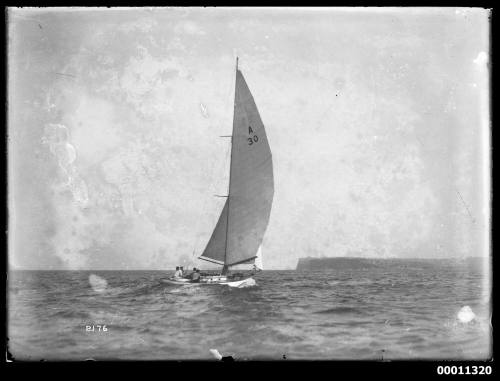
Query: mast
[[225, 267]]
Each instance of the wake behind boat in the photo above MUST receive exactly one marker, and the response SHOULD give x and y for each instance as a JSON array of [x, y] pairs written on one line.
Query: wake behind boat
[[238, 234]]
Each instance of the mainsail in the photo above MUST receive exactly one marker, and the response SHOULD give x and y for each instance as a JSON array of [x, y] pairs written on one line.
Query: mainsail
[[244, 218]]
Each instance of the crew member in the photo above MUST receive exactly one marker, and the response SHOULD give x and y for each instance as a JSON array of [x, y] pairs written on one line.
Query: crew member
[[178, 272], [195, 277]]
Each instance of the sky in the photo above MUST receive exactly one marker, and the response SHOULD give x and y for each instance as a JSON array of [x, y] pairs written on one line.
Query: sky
[[377, 118]]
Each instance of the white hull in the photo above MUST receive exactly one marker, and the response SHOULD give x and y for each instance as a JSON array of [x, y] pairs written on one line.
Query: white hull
[[211, 280]]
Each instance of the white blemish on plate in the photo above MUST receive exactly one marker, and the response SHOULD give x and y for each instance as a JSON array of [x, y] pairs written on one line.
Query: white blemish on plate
[[98, 284], [465, 315]]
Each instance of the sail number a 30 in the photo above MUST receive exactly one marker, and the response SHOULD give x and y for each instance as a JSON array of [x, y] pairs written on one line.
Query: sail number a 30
[[252, 139]]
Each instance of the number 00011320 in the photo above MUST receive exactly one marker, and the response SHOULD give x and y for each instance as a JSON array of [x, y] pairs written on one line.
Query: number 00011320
[[472, 369]]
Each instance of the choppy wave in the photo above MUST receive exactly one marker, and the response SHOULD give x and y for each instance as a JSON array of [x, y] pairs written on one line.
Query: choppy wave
[[405, 313], [341, 310]]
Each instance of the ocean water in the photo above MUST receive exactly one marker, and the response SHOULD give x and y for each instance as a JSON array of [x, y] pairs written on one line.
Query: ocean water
[[390, 312]]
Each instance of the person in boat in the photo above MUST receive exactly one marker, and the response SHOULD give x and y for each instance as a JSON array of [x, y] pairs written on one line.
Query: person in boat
[[178, 272], [236, 276], [189, 276], [255, 268], [195, 276], [182, 271]]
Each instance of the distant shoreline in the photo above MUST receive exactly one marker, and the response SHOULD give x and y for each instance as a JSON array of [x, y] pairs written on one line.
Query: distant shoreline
[[318, 263]]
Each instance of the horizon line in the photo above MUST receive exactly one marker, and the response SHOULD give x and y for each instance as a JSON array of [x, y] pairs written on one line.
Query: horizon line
[[274, 269]]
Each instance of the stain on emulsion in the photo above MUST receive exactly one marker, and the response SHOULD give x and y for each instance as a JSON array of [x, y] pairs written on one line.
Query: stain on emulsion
[[97, 283], [204, 110]]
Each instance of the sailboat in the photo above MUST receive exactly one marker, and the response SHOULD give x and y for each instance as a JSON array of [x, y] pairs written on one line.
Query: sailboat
[[238, 234]]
